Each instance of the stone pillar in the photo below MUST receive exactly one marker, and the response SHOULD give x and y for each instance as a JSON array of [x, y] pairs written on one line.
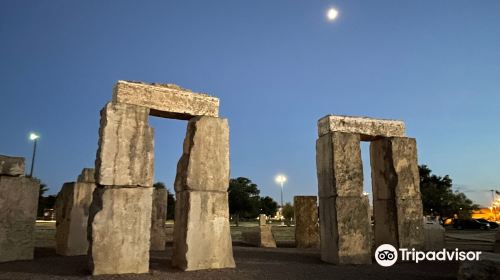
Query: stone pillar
[[158, 218], [19, 203], [202, 239], [120, 213], [262, 220], [306, 222], [72, 213], [344, 210], [397, 205]]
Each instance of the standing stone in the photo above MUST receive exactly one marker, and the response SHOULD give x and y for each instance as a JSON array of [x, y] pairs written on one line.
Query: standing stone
[[72, 212], [306, 222], [434, 237], [397, 204], [202, 239], [119, 230], [262, 219], [158, 218], [11, 166], [18, 204], [87, 175], [125, 154], [267, 239], [344, 211]]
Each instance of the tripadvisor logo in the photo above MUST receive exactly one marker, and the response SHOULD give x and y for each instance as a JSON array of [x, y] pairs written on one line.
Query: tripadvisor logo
[[387, 255]]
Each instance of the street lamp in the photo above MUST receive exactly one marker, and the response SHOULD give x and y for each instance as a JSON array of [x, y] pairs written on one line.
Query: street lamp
[[281, 179], [33, 137]]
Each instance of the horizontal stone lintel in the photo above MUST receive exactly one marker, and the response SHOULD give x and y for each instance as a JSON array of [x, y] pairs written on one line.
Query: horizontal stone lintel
[[369, 128], [166, 100]]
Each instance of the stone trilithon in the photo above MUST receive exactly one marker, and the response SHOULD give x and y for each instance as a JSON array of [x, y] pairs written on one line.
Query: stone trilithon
[[345, 225], [120, 219]]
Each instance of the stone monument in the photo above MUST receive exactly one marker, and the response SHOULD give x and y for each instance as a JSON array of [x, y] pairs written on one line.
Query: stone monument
[[344, 209], [120, 214], [19, 203], [306, 222], [72, 213]]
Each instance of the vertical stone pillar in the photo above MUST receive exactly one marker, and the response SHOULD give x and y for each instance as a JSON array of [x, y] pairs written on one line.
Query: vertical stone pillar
[[343, 209], [397, 205], [19, 204], [72, 213], [158, 218], [306, 222], [120, 213], [202, 239]]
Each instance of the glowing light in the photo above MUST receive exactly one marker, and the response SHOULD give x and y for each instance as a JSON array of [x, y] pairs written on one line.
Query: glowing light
[[280, 179], [332, 14], [34, 136]]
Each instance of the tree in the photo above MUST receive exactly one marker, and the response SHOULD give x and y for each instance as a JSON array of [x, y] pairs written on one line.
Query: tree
[[44, 202], [288, 213], [268, 206], [243, 198], [159, 185], [438, 196]]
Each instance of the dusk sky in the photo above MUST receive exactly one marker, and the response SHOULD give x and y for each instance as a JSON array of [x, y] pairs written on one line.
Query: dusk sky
[[277, 67]]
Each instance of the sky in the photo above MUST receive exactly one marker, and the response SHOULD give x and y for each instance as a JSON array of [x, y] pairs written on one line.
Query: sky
[[277, 67]]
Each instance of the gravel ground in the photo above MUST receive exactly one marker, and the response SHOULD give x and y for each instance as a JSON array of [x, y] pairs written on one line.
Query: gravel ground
[[252, 263]]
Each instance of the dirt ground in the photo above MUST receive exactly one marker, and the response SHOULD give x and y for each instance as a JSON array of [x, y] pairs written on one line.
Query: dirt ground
[[251, 263]]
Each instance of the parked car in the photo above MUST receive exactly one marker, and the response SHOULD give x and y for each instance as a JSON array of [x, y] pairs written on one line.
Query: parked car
[[493, 225], [470, 224]]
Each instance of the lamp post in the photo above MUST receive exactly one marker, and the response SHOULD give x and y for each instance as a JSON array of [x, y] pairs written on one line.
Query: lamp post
[[281, 179], [33, 137]]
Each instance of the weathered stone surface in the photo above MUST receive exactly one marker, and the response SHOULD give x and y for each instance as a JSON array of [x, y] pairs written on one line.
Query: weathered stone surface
[[72, 213], [125, 154], [87, 175], [339, 165], [119, 230], [397, 204], [306, 222], [11, 166], [262, 220], [487, 268], [204, 164], [166, 100], [368, 128], [18, 204], [394, 168], [266, 237], [202, 239], [345, 230], [410, 223], [158, 218], [434, 237]]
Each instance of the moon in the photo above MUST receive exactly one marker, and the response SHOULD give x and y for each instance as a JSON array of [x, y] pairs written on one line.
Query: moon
[[332, 14]]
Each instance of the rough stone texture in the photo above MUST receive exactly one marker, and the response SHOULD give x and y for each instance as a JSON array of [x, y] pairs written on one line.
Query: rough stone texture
[[158, 218], [204, 164], [18, 204], [368, 128], [339, 165], [434, 237], [72, 213], [345, 230], [487, 268], [202, 239], [496, 246], [11, 166], [266, 237], [397, 203], [262, 220], [87, 175], [119, 226], [306, 222], [166, 100], [125, 154]]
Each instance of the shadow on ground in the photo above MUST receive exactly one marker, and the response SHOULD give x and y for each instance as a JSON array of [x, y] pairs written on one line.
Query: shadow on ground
[[252, 263]]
